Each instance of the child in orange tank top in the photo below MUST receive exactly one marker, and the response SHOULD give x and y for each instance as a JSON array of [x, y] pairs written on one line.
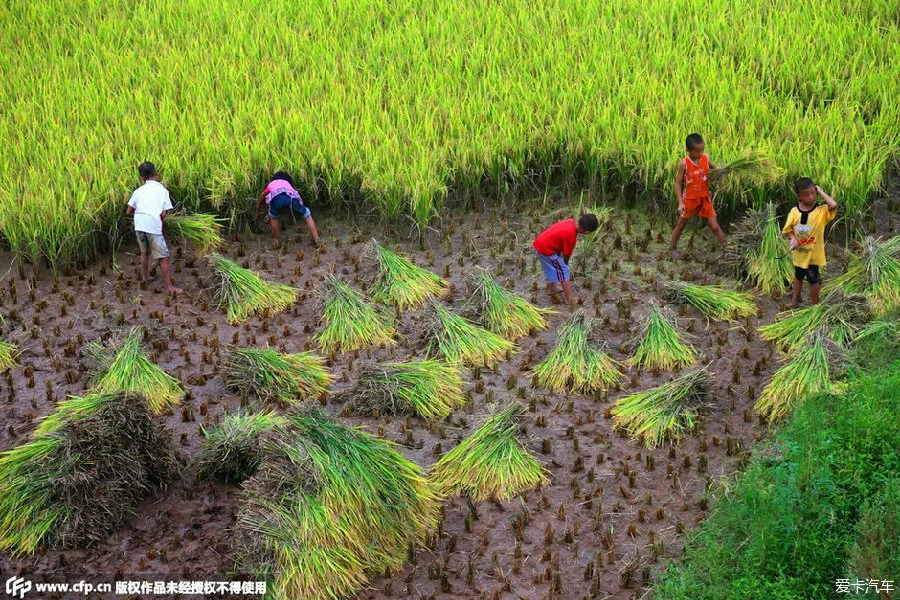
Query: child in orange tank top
[[692, 190]]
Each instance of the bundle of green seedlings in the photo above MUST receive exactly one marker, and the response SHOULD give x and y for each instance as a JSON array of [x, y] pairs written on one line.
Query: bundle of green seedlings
[[429, 388], [328, 506], [662, 345], [714, 301], [232, 450], [399, 282], [82, 474], [875, 272], [759, 252], [8, 355], [270, 376], [809, 372], [576, 364], [501, 311], [492, 463], [457, 340], [841, 316], [664, 412], [203, 230], [752, 169], [121, 366], [244, 293], [349, 323]]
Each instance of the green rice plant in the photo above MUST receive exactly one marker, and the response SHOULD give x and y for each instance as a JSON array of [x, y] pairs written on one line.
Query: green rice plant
[[349, 323], [8, 355], [808, 372], [429, 388], [875, 272], [753, 168], [232, 450], [270, 376], [205, 231], [841, 317], [121, 366], [399, 282], [759, 252], [501, 311], [75, 481], [575, 364], [664, 412], [714, 301], [492, 463], [244, 293], [456, 340], [662, 345], [587, 244]]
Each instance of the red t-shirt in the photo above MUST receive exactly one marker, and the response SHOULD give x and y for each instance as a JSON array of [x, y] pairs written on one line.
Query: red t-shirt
[[557, 239]]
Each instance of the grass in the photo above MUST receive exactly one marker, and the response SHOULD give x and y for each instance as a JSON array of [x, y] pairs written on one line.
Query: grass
[[492, 463], [758, 252], [874, 272], [575, 364], [203, 230], [840, 316], [349, 323], [501, 311], [232, 450], [243, 293], [9, 355], [459, 341], [122, 366], [665, 412], [714, 301], [662, 345], [430, 389], [270, 376], [400, 282]]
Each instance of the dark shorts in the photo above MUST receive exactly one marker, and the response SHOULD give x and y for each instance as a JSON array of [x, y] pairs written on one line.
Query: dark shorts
[[282, 201], [810, 274]]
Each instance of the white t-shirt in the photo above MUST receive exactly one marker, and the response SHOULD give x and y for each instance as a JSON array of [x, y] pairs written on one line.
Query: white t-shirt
[[149, 201]]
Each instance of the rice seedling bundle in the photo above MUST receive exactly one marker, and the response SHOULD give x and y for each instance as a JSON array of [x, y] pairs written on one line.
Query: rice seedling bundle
[[77, 480], [270, 376], [8, 355], [204, 230], [750, 169], [244, 293], [840, 316], [759, 252], [662, 345], [664, 412], [121, 366], [232, 450], [807, 373], [457, 340], [429, 388], [501, 311], [714, 301], [400, 282], [575, 364], [492, 462], [349, 323], [874, 273]]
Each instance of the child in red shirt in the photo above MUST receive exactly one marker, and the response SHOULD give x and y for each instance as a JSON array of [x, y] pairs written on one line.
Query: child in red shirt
[[692, 190], [554, 247]]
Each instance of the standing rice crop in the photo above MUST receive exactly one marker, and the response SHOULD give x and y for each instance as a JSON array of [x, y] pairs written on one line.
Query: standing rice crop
[[662, 345], [840, 316], [205, 231], [714, 301], [244, 293], [759, 252], [492, 463], [232, 450], [501, 311], [349, 323], [664, 412], [8, 355], [271, 376], [875, 272], [399, 282], [429, 388], [457, 340], [121, 366], [575, 364]]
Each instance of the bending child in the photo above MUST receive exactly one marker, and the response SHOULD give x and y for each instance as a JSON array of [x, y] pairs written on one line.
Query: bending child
[[554, 247], [278, 195]]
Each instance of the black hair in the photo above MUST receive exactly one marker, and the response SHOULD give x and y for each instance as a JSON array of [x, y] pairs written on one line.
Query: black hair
[[283, 175], [146, 170], [693, 140], [588, 222], [804, 183]]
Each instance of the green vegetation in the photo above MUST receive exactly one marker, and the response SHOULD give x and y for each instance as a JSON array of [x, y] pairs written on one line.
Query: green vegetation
[[759, 253], [501, 311], [205, 231], [399, 282], [429, 388], [841, 317], [714, 301], [244, 293], [875, 272], [232, 450], [270, 376], [459, 341], [349, 323], [8, 355], [662, 345]]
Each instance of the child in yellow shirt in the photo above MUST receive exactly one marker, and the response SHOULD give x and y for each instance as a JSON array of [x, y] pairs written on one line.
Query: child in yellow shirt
[[805, 227]]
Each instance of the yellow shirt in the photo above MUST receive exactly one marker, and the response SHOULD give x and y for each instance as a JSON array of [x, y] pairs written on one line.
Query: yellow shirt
[[810, 235]]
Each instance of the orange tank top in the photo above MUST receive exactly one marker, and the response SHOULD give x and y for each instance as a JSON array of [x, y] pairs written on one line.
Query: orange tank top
[[696, 178]]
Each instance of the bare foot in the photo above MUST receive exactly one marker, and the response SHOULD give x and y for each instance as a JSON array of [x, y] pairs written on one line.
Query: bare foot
[[554, 299], [174, 290], [792, 305], [318, 243], [674, 253]]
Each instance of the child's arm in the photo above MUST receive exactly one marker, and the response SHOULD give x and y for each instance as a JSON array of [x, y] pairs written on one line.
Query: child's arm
[[259, 201], [789, 230], [131, 204], [828, 199], [679, 192]]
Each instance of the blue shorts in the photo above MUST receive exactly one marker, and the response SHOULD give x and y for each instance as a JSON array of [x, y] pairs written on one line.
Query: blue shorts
[[153, 243], [282, 201], [555, 268]]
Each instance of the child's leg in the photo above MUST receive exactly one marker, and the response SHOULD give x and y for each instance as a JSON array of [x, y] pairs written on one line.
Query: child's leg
[[812, 276], [553, 291], [795, 295], [814, 293], [312, 229], [276, 228], [166, 276], [676, 233], [717, 231], [145, 267]]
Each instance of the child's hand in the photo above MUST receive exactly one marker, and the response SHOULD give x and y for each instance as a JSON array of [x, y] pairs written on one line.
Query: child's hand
[[794, 244], [681, 208]]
